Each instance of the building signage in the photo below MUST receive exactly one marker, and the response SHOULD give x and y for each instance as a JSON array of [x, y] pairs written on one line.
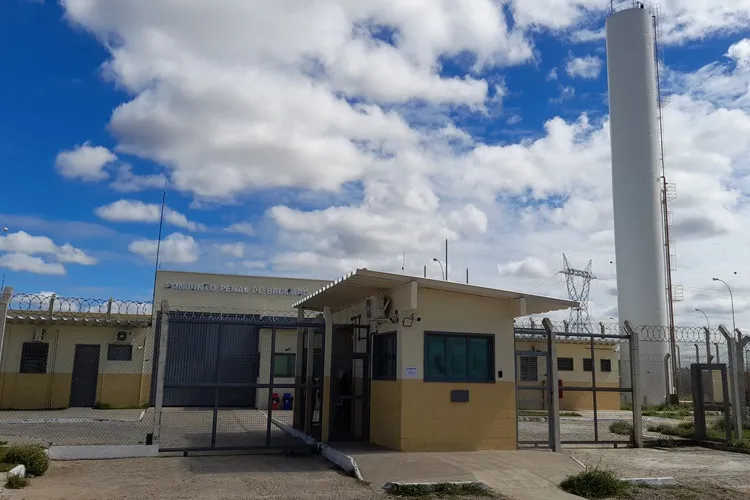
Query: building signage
[[228, 288]]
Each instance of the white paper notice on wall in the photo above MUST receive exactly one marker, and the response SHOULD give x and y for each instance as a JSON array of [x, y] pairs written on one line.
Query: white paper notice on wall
[[410, 372]]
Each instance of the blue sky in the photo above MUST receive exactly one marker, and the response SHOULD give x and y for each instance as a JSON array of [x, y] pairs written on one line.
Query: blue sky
[[336, 167]]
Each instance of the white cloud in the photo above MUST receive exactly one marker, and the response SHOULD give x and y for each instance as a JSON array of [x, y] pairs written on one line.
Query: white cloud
[[587, 67], [23, 243], [552, 75], [254, 264], [245, 228], [31, 264], [128, 182], [176, 248], [233, 249], [531, 267], [138, 211], [234, 98], [740, 53], [85, 162]]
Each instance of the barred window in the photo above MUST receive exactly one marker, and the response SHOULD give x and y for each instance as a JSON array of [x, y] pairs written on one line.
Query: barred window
[[34, 357], [529, 368], [119, 352], [605, 365], [588, 365], [565, 364]]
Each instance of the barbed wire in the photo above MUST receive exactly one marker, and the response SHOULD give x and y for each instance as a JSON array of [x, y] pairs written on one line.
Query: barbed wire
[[76, 306]]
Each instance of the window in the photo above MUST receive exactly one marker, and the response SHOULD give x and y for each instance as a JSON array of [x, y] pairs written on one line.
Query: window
[[605, 365], [587, 364], [565, 364], [284, 364], [459, 358], [119, 352], [34, 357], [384, 356], [529, 369]]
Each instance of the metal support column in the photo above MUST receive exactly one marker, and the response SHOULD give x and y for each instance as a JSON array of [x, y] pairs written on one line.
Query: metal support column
[[635, 384], [270, 387], [4, 306], [734, 381], [552, 389], [161, 367]]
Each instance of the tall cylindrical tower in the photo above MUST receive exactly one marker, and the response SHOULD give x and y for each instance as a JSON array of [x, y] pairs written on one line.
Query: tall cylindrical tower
[[639, 240]]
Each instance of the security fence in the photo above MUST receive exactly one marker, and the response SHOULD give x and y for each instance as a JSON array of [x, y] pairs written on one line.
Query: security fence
[[671, 383], [575, 375], [108, 372]]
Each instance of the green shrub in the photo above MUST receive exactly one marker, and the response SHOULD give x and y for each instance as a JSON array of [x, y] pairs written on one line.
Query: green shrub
[[34, 458], [15, 482], [594, 483], [621, 427], [439, 490], [683, 429]]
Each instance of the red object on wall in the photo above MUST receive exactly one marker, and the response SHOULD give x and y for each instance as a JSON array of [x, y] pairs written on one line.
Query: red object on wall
[[275, 401], [559, 389]]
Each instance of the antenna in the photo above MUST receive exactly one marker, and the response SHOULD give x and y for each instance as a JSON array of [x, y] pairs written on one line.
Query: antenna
[[158, 243], [666, 193], [579, 287]]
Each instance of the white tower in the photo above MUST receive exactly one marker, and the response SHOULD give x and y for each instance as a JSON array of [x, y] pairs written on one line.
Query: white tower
[[639, 241]]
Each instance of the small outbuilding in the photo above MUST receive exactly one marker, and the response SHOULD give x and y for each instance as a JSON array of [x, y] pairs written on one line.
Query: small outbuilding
[[416, 364]]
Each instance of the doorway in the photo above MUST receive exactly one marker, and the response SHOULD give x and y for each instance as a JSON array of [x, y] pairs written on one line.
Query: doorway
[[350, 384], [85, 376]]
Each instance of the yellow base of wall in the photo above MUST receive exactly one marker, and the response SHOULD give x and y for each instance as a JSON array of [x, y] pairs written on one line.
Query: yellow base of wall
[[412, 415], [25, 391]]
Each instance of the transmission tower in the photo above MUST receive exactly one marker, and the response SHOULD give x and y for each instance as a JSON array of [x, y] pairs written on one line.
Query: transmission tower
[[579, 286]]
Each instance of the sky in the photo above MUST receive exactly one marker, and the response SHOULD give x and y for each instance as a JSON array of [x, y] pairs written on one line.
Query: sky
[[307, 139]]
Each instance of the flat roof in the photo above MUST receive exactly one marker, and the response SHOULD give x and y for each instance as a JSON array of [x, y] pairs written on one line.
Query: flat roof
[[363, 283]]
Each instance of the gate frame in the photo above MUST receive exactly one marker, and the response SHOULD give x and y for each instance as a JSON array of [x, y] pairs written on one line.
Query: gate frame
[[220, 319], [549, 334], [699, 403]]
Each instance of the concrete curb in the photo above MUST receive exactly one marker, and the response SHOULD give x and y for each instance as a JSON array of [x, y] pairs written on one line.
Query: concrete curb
[[102, 452], [336, 457], [432, 485], [651, 481]]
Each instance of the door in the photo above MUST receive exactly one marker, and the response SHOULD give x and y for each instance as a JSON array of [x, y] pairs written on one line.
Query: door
[[85, 376]]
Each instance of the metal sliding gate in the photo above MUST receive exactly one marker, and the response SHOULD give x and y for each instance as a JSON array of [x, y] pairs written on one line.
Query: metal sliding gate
[[584, 387], [236, 382]]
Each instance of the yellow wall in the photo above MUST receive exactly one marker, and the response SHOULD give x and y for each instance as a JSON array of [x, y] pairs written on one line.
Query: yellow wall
[[410, 414], [120, 383]]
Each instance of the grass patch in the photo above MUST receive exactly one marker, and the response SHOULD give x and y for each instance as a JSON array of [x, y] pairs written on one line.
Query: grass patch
[[715, 430], [595, 483], [683, 429], [663, 410], [439, 490], [15, 482], [107, 406], [621, 427]]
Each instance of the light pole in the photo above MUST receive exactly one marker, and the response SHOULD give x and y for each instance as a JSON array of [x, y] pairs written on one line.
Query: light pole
[[708, 324], [731, 298], [442, 271]]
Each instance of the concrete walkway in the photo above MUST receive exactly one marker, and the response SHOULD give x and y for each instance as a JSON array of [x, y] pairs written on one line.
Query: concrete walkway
[[524, 475]]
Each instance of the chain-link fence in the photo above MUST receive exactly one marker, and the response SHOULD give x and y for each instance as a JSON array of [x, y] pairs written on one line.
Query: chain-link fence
[[588, 385]]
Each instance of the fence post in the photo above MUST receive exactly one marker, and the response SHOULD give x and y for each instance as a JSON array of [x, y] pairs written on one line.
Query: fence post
[[742, 341], [554, 400], [667, 374], [635, 384], [160, 368], [7, 293], [709, 358], [734, 381], [299, 377]]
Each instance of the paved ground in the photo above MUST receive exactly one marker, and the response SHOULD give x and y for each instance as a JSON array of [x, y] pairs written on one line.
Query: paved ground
[[180, 427], [525, 475], [199, 478]]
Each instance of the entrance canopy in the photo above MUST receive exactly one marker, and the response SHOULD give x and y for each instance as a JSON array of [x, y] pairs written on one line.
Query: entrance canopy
[[358, 285]]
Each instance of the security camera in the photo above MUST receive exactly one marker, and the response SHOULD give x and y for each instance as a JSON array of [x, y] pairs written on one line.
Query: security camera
[[419, 318]]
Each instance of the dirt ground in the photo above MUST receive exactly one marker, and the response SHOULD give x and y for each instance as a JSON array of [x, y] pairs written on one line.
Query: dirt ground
[[249, 477], [696, 492]]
